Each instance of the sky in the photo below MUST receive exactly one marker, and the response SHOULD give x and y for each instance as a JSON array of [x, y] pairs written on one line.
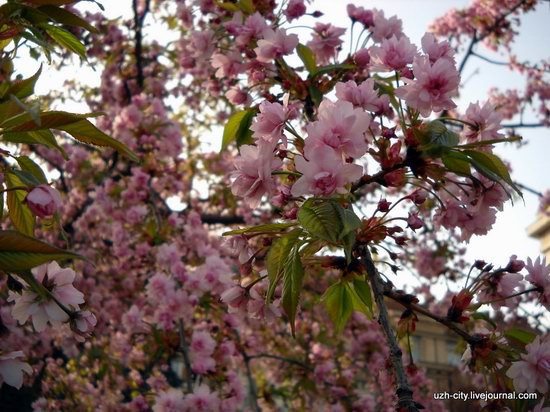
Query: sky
[[530, 163]]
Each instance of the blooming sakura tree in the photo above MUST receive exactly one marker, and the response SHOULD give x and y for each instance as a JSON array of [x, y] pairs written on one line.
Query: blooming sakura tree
[[154, 274]]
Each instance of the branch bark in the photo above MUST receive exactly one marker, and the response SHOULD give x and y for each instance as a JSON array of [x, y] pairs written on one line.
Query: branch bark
[[185, 352], [139, 18], [404, 392]]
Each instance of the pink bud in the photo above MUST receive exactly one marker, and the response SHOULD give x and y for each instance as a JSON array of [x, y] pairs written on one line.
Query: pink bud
[[515, 265], [414, 221], [43, 201], [418, 197], [384, 205], [362, 58]]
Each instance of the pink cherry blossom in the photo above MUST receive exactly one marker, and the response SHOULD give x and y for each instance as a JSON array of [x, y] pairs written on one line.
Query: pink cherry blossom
[[363, 95], [169, 401], [59, 281], [433, 86], [270, 122], [393, 54], [275, 44], [295, 9], [239, 244], [253, 28], [485, 120], [324, 173], [238, 96], [340, 127], [252, 177], [539, 275], [202, 343], [11, 369], [326, 41], [499, 287], [436, 50], [228, 64], [201, 400], [384, 28], [360, 14], [532, 372], [83, 324], [235, 297], [43, 201]]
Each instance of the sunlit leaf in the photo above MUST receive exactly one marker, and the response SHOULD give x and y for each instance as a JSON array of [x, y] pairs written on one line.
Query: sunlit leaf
[[65, 17], [20, 215], [293, 277], [65, 39], [19, 252], [276, 259], [237, 128], [307, 56], [339, 304]]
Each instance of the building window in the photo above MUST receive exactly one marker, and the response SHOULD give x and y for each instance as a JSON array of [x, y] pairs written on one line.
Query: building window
[[416, 348], [453, 357]]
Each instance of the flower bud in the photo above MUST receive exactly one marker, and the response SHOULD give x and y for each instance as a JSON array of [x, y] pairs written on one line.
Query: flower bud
[[384, 205], [515, 265], [43, 201], [414, 221]]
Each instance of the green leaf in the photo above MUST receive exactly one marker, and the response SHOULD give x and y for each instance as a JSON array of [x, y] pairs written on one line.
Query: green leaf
[[28, 165], [24, 122], [316, 95], [63, 16], [20, 215], [328, 220], [85, 132], [456, 162], [44, 137], [490, 142], [23, 88], [330, 68], [228, 6], [307, 56], [350, 221], [237, 128], [322, 220], [247, 6], [9, 109], [349, 243], [339, 304], [362, 297], [491, 167], [271, 227], [19, 252], [293, 277], [520, 335], [276, 259], [441, 136], [65, 39]]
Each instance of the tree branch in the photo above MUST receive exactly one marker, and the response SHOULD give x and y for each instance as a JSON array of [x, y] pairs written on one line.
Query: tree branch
[[139, 18], [423, 311], [404, 392], [376, 178], [468, 52], [523, 125], [185, 352]]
